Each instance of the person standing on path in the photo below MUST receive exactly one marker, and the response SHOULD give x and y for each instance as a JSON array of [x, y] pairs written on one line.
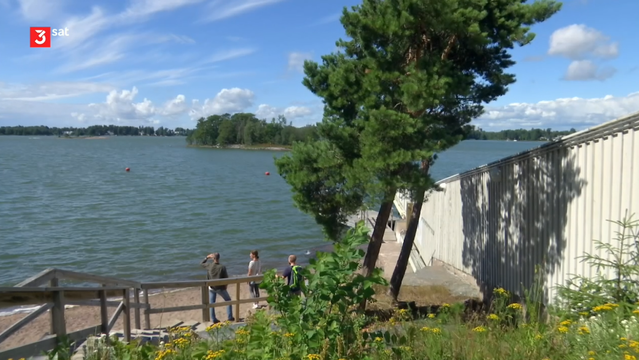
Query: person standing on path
[[254, 268], [293, 274], [214, 271]]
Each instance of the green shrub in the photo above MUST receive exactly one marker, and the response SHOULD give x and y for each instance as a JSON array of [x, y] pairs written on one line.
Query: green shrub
[[325, 324]]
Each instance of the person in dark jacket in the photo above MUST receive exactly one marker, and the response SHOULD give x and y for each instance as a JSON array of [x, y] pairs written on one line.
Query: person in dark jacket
[[214, 271], [293, 276]]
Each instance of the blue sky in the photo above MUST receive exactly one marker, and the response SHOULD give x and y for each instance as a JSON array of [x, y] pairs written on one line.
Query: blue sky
[[168, 62]]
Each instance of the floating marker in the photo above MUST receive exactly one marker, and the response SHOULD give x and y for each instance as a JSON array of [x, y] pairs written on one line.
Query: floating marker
[[127, 169], [267, 173]]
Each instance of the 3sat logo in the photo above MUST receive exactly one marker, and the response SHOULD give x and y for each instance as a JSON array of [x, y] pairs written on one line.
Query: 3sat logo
[[40, 37]]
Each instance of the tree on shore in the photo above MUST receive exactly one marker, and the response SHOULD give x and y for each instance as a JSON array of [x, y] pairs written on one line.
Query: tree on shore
[[412, 77], [247, 129], [431, 65]]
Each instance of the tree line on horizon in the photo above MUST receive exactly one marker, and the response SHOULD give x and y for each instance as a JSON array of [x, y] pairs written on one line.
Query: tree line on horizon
[[242, 131], [476, 133], [93, 130], [247, 129]]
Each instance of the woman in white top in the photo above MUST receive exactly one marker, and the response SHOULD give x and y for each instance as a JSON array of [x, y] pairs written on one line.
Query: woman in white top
[[254, 268]]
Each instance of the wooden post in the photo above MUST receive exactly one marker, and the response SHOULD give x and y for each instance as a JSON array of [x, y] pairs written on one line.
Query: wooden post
[[206, 314], [104, 316], [126, 300], [237, 305], [58, 325], [136, 298], [147, 316]]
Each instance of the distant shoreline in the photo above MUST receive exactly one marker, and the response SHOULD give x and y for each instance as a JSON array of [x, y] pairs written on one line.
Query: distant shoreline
[[85, 137], [245, 147]]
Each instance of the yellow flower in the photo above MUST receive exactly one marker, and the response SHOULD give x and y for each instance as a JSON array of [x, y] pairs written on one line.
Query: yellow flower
[[215, 326], [313, 357], [636, 312], [591, 353], [538, 337], [479, 329], [242, 332], [623, 339], [634, 344], [210, 355], [378, 339], [584, 313], [289, 335], [436, 330], [562, 329], [431, 316], [425, 329], [162, 354], [515, 306], [623, 346], [492, 317], [566, 323], [629, 357], [583, 330], [500, 291]]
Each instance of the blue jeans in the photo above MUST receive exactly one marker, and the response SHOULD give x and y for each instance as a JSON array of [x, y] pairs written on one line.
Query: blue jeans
[[225, 295]]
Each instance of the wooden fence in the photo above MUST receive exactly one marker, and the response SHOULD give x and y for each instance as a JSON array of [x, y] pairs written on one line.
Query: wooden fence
[[53, 298]]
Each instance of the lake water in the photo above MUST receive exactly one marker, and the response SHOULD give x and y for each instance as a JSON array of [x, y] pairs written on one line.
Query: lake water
[[69, 204]]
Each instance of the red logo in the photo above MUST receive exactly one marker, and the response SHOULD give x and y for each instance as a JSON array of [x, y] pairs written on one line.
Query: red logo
[[40, 37]]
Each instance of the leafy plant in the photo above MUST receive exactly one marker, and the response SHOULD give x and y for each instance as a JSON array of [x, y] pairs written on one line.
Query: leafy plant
[[328, 312], [621, 257]]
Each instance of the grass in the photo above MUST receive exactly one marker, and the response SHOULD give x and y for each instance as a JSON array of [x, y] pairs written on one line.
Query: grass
[[421, 295]]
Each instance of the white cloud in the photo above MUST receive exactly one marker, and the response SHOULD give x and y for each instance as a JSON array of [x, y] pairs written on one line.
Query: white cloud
[[222, 9], [581, 70], [328, 19], [36, 10], [177, 106], [268, 112], [119, 107], [230, 54], [141, 8], [560, 113], [580, 43], [50, 90], [226, 101], [577, 42], [296, 60]]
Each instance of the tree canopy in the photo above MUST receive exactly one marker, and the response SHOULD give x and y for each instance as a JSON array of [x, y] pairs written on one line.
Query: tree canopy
[[247, 129], [412, 76]]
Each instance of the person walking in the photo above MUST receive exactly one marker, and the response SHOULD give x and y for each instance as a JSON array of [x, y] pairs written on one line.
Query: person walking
[[254, 268], [215, 271], [294, 277]]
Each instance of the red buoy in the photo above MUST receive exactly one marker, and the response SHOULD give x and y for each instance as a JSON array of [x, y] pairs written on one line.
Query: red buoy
[[127, 169], [267, 173]]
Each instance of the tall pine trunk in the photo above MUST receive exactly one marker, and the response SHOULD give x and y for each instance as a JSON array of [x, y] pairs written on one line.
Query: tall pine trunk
[[375, 244], [372, 253], [409, 240]]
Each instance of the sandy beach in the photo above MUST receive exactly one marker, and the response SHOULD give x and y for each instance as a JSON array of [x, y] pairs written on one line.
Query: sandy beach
[[82, 317]]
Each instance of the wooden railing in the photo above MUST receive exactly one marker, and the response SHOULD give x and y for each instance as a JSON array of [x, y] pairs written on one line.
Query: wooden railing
[[53, 298]]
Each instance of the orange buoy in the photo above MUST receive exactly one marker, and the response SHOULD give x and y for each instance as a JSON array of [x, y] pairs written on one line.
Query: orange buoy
[[127, 169], [267, 173]]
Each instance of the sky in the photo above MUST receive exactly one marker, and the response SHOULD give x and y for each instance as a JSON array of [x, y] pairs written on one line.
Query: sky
[[169, 62]]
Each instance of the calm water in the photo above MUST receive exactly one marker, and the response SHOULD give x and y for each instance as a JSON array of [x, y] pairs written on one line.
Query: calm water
[[70, 204]]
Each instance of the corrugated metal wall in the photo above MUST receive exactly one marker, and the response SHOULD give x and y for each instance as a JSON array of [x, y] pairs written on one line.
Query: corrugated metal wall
[[543, 207]]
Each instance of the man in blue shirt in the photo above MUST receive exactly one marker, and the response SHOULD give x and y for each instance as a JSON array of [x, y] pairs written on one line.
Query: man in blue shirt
[[293, 275]]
